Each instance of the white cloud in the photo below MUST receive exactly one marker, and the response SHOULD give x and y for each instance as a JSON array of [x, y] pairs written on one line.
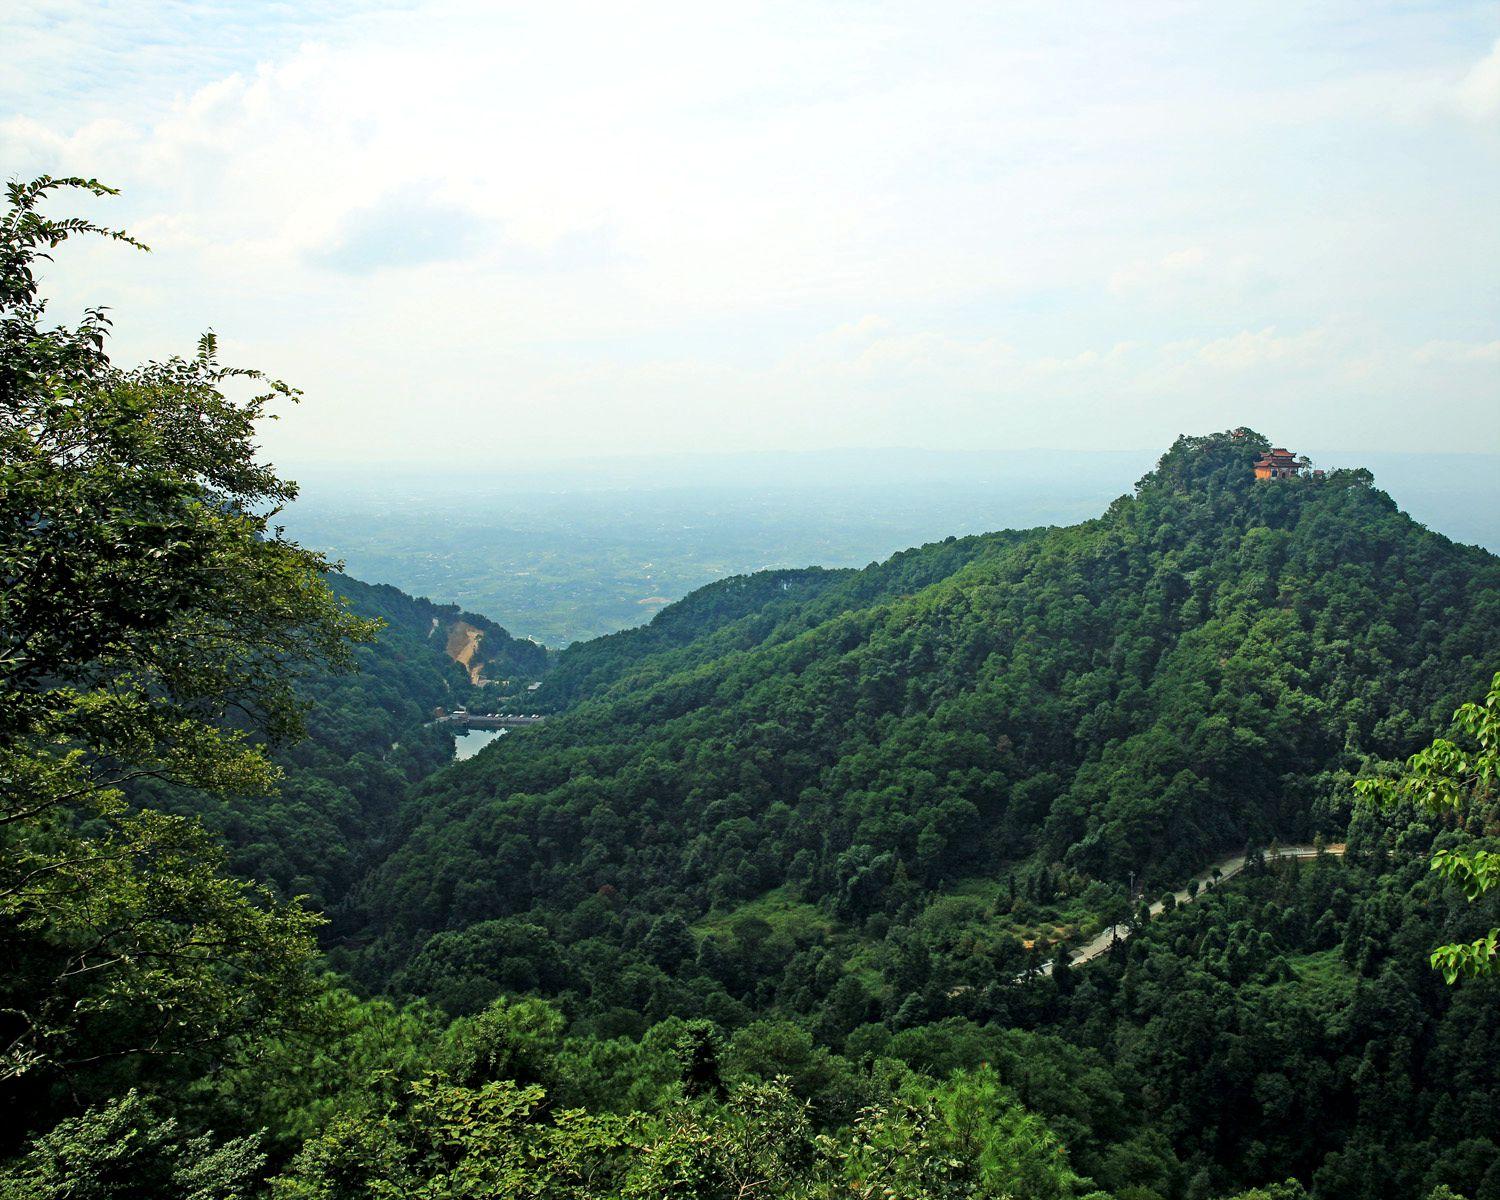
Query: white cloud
[[1247, 350], [1173, 267], [1460, 353], [668, 225], [1478, 93]]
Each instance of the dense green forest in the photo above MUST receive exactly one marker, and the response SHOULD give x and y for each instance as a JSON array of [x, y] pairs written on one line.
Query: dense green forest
[[762, 909], [1017, 724]]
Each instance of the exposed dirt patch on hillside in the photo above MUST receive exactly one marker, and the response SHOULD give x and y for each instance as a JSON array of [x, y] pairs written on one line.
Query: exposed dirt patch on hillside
[[463, 648]]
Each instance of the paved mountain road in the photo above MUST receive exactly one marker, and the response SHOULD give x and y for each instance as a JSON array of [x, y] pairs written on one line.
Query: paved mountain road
[[1228, 868]]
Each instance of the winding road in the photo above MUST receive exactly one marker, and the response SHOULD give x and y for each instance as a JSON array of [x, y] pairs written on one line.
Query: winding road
[[1228, 868]]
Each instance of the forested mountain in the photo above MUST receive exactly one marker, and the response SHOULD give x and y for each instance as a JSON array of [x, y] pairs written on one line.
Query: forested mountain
[[1207, 664], [841, 814], [747, 611], [1291, 1025], [760, 911], [368, 738]]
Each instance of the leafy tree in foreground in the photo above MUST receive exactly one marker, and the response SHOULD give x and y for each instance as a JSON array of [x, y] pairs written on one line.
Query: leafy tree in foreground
[[961, 1140], [126, 1151], [150, 617], [1459, 778]]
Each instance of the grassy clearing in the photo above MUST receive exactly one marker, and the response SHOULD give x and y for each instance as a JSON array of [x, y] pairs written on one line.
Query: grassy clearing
[[1324, 972], [782, 911]]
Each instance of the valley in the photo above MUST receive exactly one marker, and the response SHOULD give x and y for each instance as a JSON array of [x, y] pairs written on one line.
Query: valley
[[867, 855], [749, 602], [849, 817], [859, 813]]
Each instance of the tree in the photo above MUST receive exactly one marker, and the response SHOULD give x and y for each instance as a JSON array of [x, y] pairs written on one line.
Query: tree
[[153, 624], [125, 1151], [1458, 777], [669, 942], [961, 1138], [451, 1141], [516, 1040]]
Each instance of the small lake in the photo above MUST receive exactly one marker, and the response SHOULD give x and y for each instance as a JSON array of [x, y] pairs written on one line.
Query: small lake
[[469, 742]]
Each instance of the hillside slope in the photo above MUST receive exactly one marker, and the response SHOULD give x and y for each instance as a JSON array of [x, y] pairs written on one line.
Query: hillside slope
[[748, 611], [368, 740], [1201, 666]]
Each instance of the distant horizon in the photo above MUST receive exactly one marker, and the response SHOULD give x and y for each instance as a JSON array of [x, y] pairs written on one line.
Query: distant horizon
[[562, 551], [1456, 492], [541, 461]]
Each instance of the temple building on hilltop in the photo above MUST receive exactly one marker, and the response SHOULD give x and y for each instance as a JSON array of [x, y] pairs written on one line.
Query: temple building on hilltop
[[1281, 463]]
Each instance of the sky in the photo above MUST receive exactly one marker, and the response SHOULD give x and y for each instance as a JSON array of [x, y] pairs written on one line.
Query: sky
[[486, 234]]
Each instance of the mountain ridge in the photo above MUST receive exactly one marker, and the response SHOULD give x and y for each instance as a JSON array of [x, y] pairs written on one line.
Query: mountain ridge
[[1206, 663]]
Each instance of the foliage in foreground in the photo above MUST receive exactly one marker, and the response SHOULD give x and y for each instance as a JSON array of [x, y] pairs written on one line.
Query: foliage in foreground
[[962, 1138], [147, 600], [1458, 779]]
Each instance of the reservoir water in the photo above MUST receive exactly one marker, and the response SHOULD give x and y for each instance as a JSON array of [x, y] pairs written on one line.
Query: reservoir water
[[469, 742]]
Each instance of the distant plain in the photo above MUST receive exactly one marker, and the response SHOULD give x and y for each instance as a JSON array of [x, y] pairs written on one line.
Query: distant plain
[[569, 550]]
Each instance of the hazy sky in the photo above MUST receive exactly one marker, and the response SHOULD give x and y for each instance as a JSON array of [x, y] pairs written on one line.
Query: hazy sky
[[487, 231]]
